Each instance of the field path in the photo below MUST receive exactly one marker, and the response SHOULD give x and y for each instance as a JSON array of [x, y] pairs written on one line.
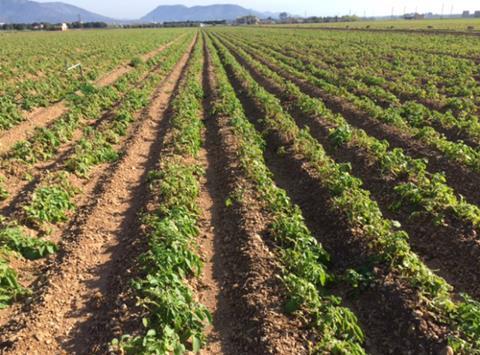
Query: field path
[[114, 75], [81, 282], [209, 289]]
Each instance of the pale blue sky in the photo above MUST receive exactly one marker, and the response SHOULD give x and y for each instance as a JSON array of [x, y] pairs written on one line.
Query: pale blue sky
[[137, 8]]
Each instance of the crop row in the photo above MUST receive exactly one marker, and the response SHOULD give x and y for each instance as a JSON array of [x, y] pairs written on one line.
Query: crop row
[[384, 239], [85, 108], [172, 318], [454, 114], [417, 187], [457, 26], [454, 151], [428, 76], [42, 61], [305, 272], [53, 199]]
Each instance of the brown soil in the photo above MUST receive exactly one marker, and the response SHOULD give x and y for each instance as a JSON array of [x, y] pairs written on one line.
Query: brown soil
[[64, 315], [114, 75], [208, 289], [38, 118], [157, 51]]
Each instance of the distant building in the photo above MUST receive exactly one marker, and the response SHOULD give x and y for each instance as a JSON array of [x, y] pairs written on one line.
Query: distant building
[[248, 20], [414, 16], [38, 26], [466, 13], [268, 21], [477, 14], [64, 27]]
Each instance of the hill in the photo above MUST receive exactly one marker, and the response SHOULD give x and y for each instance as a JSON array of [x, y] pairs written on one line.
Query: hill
[[25, 11]]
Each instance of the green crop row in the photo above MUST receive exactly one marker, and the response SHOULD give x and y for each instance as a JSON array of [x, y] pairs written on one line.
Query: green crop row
[[440, 78], [456, 151], [305, 275], [417, 110], [52, 201], [44, 144], [173, 320], [386, 241], [424, 192], [34, 65], [98, 145]]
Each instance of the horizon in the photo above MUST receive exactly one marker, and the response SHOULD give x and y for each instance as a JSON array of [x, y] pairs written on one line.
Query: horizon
[[124, 9]]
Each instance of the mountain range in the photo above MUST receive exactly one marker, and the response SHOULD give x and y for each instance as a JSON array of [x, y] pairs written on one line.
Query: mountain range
[[167, 13], [26, 11]]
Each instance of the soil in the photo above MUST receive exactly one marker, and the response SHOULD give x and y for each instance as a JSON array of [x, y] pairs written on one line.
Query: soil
[[114, 75], [38, 118], [239, 285]]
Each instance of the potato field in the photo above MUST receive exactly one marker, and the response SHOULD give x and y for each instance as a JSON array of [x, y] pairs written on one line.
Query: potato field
[[240, 190]]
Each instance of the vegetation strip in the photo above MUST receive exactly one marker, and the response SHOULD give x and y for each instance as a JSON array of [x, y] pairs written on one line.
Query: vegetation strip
[[241, 189], [74, 308], [423, 112], [409, 193], [48, 143], [173, 318], [47, 81], [464, 180], [88, 106]]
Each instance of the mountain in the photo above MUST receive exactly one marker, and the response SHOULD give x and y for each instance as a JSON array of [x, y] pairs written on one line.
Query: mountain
[[25, 11], [167, 13]]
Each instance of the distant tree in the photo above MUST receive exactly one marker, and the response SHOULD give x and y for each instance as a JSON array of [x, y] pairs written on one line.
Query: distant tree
[[283, 16]]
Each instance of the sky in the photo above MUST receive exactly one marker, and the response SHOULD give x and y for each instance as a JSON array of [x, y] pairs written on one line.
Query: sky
[[131, 9]]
